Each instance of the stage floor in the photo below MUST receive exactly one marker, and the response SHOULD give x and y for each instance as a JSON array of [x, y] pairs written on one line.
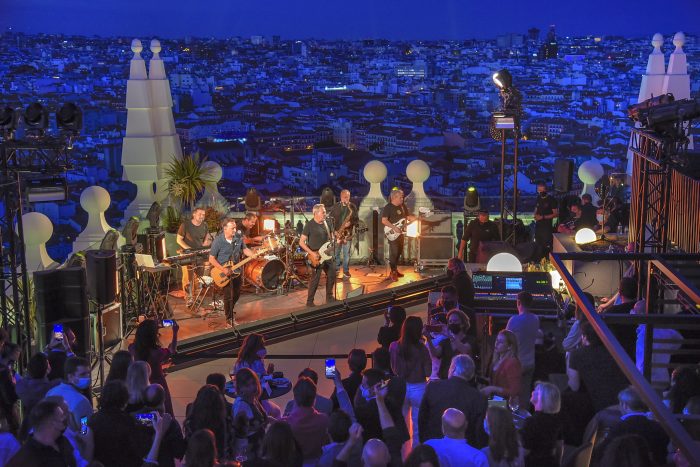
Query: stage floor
[[263, 305]]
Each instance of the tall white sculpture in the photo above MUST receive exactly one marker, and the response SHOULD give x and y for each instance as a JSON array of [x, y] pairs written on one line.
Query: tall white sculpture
[[95, 200], [211, 196], [418, 172], [375, 173], [677, 80], [590, 172], [38, 229]]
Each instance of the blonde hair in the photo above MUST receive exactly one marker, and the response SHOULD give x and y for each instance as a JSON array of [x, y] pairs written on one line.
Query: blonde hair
[[550, 397], [512, 342], [137, 379]]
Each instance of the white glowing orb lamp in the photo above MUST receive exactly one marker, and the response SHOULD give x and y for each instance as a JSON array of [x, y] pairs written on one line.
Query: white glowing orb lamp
[[504, 262], [584, 236], [412, 229]]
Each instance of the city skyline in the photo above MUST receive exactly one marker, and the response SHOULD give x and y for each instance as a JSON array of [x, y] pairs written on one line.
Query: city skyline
[[407, 20]]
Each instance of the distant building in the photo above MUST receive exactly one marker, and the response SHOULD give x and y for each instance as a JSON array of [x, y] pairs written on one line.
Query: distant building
[[257, 40], [549, 49], [419, 69]]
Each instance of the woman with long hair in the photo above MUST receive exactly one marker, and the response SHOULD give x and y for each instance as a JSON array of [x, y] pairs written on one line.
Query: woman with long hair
[[506, 370], [504, 449], [137, 379], [120, 365], [146, 347], [543, 433], [249, 416], [410, 360], [201, 449], [209, 412], [455, 341], [252, 355], [279, 448]]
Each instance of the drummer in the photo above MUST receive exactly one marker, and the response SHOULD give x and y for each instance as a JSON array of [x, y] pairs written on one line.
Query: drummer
[[249, 221]]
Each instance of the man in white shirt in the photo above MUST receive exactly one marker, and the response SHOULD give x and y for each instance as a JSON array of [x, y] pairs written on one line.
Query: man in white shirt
[[526, 326], [452, 449]]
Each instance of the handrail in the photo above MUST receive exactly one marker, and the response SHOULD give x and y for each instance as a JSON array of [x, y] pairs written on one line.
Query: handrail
[[677, 433]]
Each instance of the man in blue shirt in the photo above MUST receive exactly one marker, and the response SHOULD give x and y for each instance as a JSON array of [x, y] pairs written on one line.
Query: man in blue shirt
[[228, 246]]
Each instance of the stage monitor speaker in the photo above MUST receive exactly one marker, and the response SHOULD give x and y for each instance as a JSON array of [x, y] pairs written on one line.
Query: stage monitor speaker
[[489, 249], [435, 248], [563, 175], [112, 331], [439, 223], [73, 295], [101, 271], [355, 292]]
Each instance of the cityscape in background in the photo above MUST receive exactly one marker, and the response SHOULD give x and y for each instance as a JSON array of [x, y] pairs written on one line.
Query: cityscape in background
[[291, 117]]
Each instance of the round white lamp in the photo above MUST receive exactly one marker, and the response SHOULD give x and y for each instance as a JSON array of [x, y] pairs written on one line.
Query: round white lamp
[[504, 262], [584, 236]]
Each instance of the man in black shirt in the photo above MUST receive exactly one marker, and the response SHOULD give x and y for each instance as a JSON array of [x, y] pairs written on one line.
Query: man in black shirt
[[478, 230], [315, 235], [588, 211], [247, 224], [545, 210], [576, 222], [344, 219], [392, 213], [192, 235]]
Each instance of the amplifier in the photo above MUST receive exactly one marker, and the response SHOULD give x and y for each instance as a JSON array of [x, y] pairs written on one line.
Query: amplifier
[[435, 249], [439, 223]]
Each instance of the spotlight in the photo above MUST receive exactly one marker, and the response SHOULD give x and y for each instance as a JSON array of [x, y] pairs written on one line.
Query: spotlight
[[252, 200], [504, 262], [153, 215], [503, 79], [36, 119], [110, 240], [327, 197], [471, 199], [69, 118], [8, 122], [130, 231], [42, 190]]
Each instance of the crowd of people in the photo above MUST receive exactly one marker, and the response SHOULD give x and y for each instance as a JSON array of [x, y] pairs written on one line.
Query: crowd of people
[[435, 394]]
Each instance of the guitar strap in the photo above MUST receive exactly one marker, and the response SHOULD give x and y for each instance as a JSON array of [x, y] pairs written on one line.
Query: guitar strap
[[328, 230]]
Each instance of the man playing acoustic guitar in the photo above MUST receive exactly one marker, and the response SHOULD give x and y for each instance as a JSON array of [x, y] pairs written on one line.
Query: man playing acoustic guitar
[[228, 247], [317, 236]]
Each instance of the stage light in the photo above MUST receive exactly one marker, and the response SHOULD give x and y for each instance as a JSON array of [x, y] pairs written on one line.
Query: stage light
[[130, 231], [412, 229], [69, 119], [8, 122], [504, 262], [110, 240], [153, 215], [252, 200], [585, 236], [36, 119], [503, 79], [471, 199], [42, 190], [327, 197], [269, 225]]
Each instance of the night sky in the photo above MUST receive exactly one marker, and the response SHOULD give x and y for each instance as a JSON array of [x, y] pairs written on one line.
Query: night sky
[[349, 19]]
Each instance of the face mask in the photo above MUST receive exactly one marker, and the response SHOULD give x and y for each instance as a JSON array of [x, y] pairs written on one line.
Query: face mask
[[486, 427], [365, 393], [455, 328], [599, 217], [261, 353], [83, 383]]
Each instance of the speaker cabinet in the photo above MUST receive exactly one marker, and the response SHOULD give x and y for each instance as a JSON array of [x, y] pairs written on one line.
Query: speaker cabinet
[[435, 250], [563, 175], [47, 296], [112, 331], [439, 223], [102, 275]]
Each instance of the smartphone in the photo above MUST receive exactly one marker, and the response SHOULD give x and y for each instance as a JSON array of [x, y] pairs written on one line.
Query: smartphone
[[58, 331], [146, 419], [330, 368], [167, 323], [83, 426]]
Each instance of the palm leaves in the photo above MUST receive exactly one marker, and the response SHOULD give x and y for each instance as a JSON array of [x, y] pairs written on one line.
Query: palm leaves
[[187, 178]]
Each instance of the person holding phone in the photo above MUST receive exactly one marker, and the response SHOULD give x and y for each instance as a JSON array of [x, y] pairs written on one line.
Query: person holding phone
[[394, 317], [146, 347], [33, 387], [61, 347]]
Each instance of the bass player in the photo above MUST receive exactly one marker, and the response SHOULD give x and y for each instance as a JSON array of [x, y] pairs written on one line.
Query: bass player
[[344, 217], [229, 245], [315, 236], [394, 213]]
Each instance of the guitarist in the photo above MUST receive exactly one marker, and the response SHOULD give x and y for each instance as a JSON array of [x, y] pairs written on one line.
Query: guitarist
[[316, 233], [228, 246], [391, 214], [344, 216]]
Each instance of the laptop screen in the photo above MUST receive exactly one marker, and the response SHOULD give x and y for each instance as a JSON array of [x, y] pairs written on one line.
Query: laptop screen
[[144, 261]]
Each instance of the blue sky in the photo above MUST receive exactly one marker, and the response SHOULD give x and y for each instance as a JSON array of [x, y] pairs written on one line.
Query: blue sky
[[349, 19]]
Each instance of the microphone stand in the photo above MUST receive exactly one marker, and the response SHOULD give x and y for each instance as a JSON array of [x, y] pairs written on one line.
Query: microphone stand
[[331, 229]]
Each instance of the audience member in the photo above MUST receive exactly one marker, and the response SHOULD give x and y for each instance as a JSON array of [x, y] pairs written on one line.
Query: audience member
[[46, 446], [449, 300], [685, 383], [456, 341], [422, 456], [339, 432], [394, 317], [457, 272], [160, 426], [172, 444], [121, 361], [628, 451], [115, 432], [201, 450], [137, 377], [33, 387], [58, 351], [572, 341], [8, 443], [77, 379], [367, 409], [82, 443], [525, 325], [451, 448], [357, 362], [625, 332], [321, 404], [279, 447], [8, 395], [503, 448], [506, 371], [542, 434], [252, 355], [310, 427], [455, 392], [147, 348], [208, 412], [634, 421], [410, 360], [249, 416]]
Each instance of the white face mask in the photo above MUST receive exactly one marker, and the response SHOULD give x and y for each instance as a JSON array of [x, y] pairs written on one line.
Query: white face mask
[[599, 217]]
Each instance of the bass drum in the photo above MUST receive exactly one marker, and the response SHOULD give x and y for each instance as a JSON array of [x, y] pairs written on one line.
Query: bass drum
[[265, 273]]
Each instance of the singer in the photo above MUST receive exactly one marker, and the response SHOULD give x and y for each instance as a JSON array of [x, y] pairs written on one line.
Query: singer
[[225, 253], [315, 239]]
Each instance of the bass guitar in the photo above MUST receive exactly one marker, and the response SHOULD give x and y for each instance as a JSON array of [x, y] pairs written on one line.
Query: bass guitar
[[325, 253], [221, 279]]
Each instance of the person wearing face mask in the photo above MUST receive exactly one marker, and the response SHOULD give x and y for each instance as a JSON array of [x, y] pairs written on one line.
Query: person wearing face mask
[[545, 211], [457, 273], [46, 446], [457, 341], [367, 410], [76, 380]]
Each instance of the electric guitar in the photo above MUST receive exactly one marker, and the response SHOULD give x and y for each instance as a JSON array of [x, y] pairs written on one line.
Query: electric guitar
[[325, 253], [221, 279], [402, 224]]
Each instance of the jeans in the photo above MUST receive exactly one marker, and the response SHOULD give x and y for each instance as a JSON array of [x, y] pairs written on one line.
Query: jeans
[[395, 250], [329, 267], [232, 292], [344, 251], [414, 395]]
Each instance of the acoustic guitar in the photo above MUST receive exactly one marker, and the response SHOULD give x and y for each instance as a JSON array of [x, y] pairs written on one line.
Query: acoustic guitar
[[221, 279]]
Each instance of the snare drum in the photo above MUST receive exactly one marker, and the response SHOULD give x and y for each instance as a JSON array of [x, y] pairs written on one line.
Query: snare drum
[[271, 243], [265, 273]]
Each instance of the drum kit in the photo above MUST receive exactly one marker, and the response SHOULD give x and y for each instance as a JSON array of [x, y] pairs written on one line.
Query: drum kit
[[282, 267]]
